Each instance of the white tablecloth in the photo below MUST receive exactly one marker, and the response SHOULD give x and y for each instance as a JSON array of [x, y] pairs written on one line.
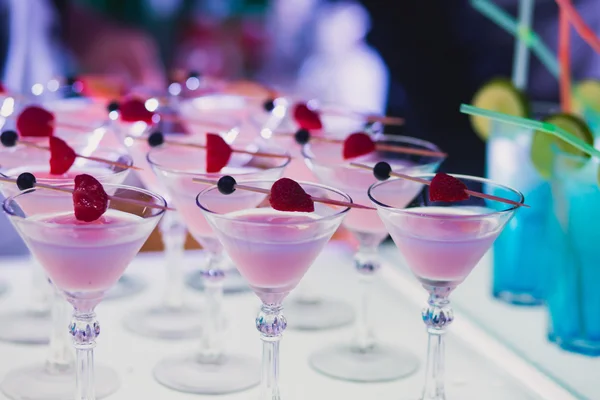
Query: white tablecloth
[[478, 367]]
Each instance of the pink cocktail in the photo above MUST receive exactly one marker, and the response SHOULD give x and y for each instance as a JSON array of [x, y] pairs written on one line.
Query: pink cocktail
[[327, 162], [176, 168], [441, 243], [83, 260], [273, 250]]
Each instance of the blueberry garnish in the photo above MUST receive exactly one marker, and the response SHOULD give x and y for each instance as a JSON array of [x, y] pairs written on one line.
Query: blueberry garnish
[[9, 138], [71, 80], [382, 170], [113, 106], [194, 74], [26, 181], [156, 139], [302, 136], [269, 105], [226, 184]]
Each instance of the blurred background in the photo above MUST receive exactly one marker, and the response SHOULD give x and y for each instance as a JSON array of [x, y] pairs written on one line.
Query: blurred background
[[415, 59]]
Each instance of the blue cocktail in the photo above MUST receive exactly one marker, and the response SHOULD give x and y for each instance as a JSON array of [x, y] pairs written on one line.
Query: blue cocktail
[[573, 297], [519, 252]]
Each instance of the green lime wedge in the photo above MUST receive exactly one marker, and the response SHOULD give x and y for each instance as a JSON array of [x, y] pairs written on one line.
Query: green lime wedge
[[587, 93], [543, 144], [498, 95]]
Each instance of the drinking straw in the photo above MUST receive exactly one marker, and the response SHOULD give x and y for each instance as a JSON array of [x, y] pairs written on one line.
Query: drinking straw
[[564, 37], [579, 24], [534, 125], [521, 58], [525, 34]]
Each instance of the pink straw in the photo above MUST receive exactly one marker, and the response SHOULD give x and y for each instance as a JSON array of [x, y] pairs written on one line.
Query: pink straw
[[579, 24], [564, 37]]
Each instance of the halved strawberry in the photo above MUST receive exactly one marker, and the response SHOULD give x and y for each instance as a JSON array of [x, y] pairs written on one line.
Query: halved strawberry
[[90, 201], [218, 153], [62, 156], [358, 144], [288, 195], [134, 110], [36, 122], [447, 188], [307, 118]]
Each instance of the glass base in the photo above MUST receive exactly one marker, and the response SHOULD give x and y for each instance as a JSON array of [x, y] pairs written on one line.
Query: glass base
[[518, 299], [233, 283], [36, 383], [317, 314], [577, 345], [126, 286], [381, 363], [26, 327], [233, 373], [166, 323]]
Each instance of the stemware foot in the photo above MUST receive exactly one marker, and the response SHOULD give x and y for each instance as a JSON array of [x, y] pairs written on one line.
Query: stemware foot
[[36, 382], [231, 373], [232, 284], [317, 314], [380, 363], [126, 286], [166, 323], [26, 327]]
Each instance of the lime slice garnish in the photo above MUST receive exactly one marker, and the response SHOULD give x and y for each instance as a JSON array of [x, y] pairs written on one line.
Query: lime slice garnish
[[543, 144], [498, 95], [587, 93]]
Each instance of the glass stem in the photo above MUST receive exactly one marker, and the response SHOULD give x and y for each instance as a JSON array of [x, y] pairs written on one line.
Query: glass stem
[[367, 264], [211, 342], [85, 329], [60, 356], [437, 316], [173, 233], [271, 323]]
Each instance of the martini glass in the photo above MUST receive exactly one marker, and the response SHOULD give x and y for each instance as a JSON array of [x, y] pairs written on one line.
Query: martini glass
[[365, 359], [38, 326], [223, 107], [173, 318], [272, 250], [31, 326], [441, 243], [210, 370], [83, 260]]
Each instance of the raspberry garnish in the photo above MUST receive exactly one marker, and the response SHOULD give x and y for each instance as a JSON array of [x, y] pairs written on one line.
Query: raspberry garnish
[[62, 156], [447, 188], [35, 121], [90, 201], [288, 195]]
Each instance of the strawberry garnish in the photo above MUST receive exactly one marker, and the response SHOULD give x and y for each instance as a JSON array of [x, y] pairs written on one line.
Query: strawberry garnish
[[358, 144], [288, 195], [35, 121], [307, 118], [62, 156], [89, 198], [447, 188], [218, 153], [134, 110]]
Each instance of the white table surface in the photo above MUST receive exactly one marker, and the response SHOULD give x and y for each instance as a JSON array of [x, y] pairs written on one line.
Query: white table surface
[[478, 365]]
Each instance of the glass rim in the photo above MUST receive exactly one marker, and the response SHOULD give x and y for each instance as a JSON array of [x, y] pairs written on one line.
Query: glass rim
[[302, 183], [471, 178], [24, 220], [176, 171], [66, 180], [395, 138]]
